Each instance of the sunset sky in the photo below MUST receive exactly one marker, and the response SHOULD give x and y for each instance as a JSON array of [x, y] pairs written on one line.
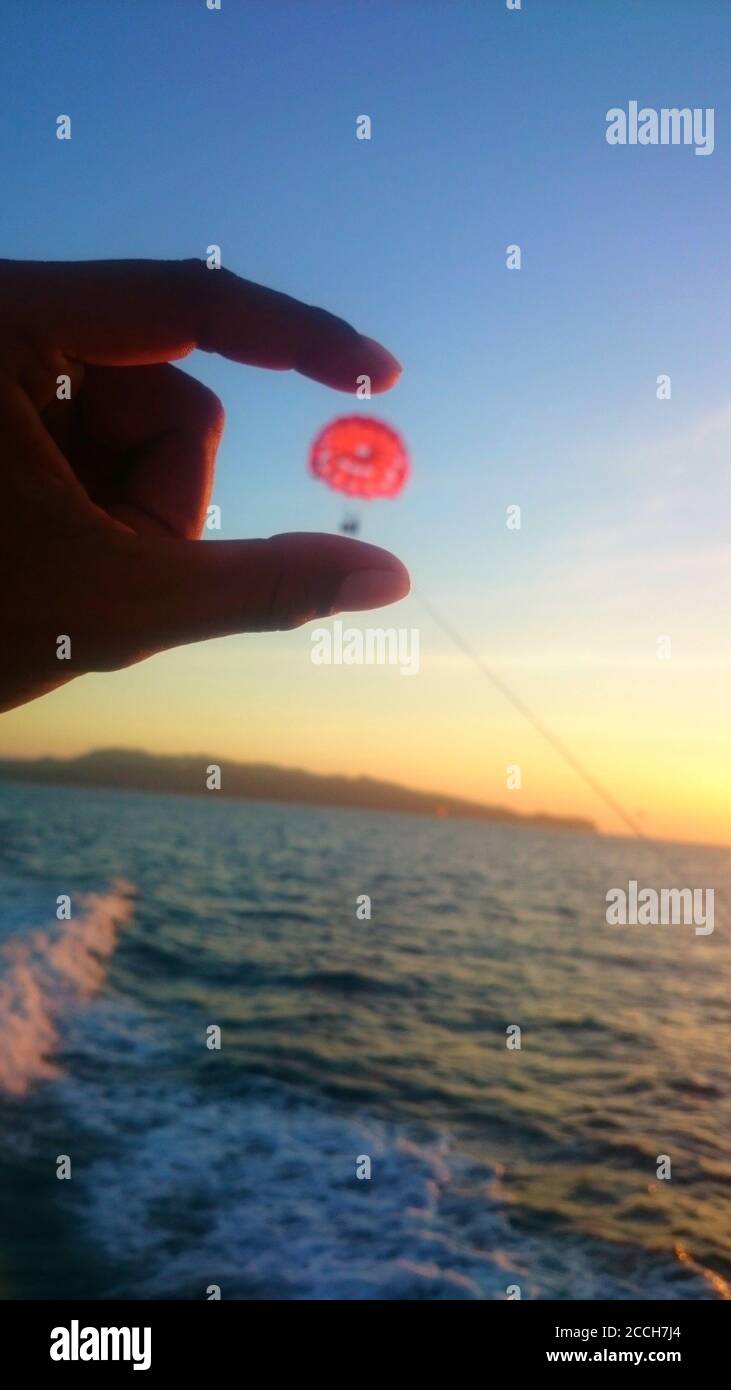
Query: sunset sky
[[535, 388]]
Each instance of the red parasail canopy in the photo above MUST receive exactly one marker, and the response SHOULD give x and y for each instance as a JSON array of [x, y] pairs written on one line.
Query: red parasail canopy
[[361, 457]]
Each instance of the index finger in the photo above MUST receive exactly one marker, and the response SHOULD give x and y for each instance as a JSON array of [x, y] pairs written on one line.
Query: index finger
[[131, 313]]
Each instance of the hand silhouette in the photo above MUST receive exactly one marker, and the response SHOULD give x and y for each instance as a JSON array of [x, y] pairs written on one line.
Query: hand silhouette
[[105, 493]]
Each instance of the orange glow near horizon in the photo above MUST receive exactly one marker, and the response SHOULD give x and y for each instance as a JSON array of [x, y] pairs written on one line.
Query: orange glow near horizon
[[260, 699]]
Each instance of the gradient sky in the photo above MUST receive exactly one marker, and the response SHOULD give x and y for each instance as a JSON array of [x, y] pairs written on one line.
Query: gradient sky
[[535, 387]]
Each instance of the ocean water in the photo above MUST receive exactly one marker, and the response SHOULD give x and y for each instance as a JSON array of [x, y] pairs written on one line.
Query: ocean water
[[344, 1038]]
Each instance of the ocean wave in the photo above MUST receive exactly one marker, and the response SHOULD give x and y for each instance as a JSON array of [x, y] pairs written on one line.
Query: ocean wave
[[48, 972], [350, 982], [259, 1196], [236, 1167]]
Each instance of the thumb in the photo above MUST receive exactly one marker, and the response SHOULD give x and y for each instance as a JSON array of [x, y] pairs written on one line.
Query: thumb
[[187, 591]]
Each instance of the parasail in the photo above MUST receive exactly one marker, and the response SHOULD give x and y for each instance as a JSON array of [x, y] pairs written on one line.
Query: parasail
[[360, 457]]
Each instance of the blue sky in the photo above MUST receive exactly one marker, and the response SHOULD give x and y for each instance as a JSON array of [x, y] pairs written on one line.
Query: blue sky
[[535, 387]]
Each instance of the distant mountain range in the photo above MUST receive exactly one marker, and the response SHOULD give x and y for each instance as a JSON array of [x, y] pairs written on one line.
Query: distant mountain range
[[134, 770]]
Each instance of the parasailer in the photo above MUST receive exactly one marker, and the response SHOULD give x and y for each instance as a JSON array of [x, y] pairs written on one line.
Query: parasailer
[[362, 458]]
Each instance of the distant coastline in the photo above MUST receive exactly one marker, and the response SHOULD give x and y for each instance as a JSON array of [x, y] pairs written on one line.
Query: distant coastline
[[134, 770]]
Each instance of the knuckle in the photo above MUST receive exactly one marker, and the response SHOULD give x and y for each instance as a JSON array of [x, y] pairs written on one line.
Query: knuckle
[[296, 593], [207, 290], [208, 409]]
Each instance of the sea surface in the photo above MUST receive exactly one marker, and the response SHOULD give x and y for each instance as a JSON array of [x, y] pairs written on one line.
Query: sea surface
[[492, 1169]]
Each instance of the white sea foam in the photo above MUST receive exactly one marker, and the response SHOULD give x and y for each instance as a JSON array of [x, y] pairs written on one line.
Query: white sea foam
[[260, 1197], [46, 973]]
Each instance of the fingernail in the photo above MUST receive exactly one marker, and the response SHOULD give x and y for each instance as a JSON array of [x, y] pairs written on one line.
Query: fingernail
[[370, 589], [383, 359]]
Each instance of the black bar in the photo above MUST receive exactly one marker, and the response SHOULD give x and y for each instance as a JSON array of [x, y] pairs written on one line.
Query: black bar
[[236, 1337]]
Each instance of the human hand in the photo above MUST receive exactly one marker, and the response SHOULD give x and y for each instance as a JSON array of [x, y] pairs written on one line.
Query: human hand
[[105, 493]]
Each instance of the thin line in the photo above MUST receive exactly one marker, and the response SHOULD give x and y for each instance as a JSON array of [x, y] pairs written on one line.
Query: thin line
[[556, 743]]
